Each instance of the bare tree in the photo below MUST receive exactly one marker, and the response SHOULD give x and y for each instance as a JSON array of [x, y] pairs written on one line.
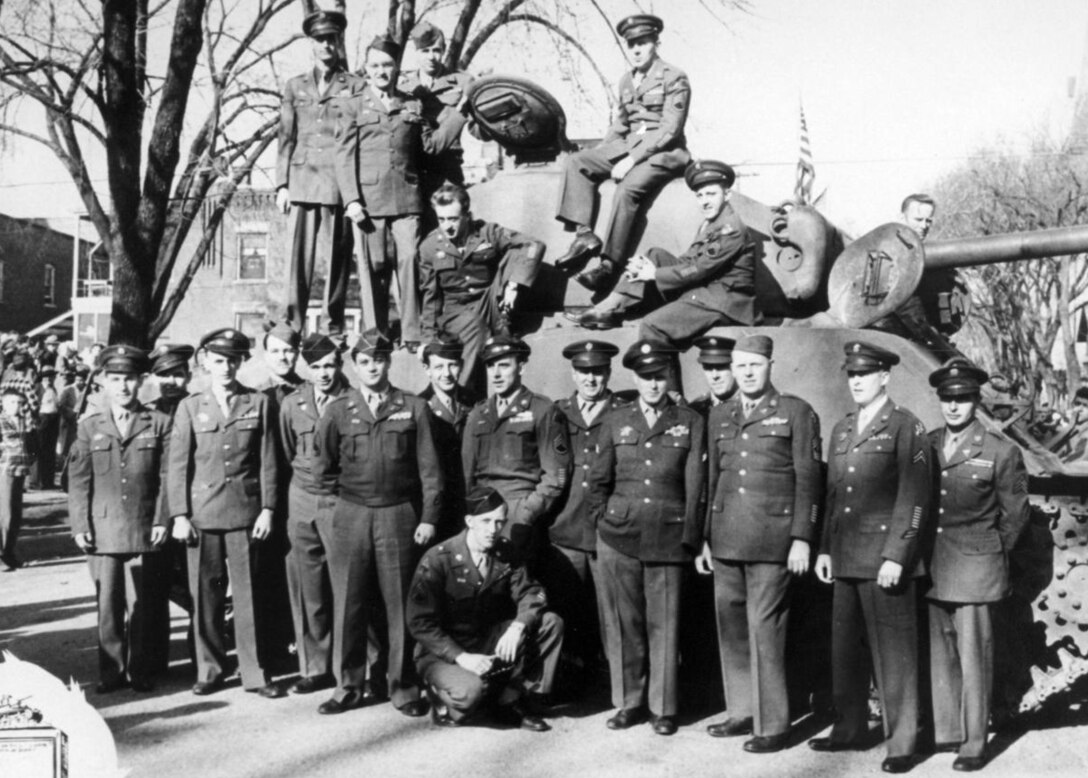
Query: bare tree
[[1023, 308]]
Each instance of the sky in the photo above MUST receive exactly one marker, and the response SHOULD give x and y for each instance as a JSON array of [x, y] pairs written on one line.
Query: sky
[[896, 94]]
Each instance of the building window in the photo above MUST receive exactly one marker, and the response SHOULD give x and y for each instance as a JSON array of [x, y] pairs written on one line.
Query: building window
[[50, 295], [252, 256], [250, 325]]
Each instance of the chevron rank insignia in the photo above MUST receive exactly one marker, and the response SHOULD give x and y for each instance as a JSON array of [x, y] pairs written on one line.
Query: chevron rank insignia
[[920, 456]]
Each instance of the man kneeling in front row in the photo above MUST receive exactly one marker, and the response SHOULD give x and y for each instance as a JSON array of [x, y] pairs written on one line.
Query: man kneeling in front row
[[480, 625]]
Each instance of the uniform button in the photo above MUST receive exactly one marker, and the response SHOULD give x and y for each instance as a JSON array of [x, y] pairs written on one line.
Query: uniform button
[[649, 462], [845, 510], [649, 445], [744, 453], [226, 448], [585, 467], [646, 499], [124, 480], [850, 469], [124, 496], [744, 436], [647, 482], [849, 488], [740, 490], [122, 464], [940, 510], [944, 491], [940, 529], [882, 527], [743, 472], [228, 479], [585, 484]]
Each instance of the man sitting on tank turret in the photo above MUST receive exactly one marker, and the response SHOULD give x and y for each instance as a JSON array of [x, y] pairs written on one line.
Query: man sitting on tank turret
[[643, 150], [712, 283]]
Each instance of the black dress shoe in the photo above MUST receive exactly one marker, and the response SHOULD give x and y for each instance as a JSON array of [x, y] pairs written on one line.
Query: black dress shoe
[[527, 719], [592, 320], [269, 691], [730, 728], [414, 709], [108, 687], [600, 279], [333, 706], [141, 685], [204, 688], [373, 693], [827, 744], [897, 764], [767, 744], [585, 246], [311, 683], [969, 764], [664, 725], [627, 717]]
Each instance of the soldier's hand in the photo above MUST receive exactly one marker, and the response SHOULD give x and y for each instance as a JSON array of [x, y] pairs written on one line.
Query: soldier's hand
[[702, 562], [283, 200], [85, 541], [622, 168], [158, 535], [183, 530], [424, 534], [356, 212], [475, 663], [507, 647], [641, 268], [797, 562], [509, 297], [823, 568], [889, 574], [263, 526]]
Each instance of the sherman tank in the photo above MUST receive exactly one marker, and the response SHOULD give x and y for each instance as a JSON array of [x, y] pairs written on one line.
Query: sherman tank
[[818, 289]]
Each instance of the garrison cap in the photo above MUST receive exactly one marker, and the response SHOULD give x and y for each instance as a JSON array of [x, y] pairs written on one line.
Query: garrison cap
[[81, 369], [715, 350], [373, 343], [424, 35], [639, 26], [324, 23], [51, 339], [481, 500], [47, 370], [590, 353], [169, 357], [958, 377], [226, 341], [385, 44], [281, 331], [867, 357], [499, 346], [648, 356], [316, 346], [123, 359], [755, 344], [446, 348], [701, 172]]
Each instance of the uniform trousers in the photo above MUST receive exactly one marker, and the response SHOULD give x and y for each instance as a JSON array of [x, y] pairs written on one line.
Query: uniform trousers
[[571, 577], [752, 606], [472, 322], [216, 552], [43, 473], [11, 513], [961, 648], [527, 539], [319, 237], [368, 545], [874, 634], [640, 604], [309, 520], [533, 671], [385, 245], [131, 597], [586, 170]]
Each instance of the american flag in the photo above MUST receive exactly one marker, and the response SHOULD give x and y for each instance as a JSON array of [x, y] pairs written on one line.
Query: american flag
[[806, 171]]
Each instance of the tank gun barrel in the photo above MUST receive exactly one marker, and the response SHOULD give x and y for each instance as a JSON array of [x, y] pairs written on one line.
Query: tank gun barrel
[[1009, 247]]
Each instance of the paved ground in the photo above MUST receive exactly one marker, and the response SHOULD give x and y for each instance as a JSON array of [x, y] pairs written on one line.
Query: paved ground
[[47, 617]]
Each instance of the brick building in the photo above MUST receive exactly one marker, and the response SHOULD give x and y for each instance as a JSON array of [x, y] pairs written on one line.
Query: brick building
[[35, 273]]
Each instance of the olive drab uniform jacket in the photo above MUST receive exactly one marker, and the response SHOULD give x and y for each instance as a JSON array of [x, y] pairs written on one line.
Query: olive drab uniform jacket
[[451, 609], [525, 453], [223, 469], [114, 480], [983, 508], [440, 101], [650, 118], [766, 477], [878, 494], [309, 122], [298, 437], [646, 486]]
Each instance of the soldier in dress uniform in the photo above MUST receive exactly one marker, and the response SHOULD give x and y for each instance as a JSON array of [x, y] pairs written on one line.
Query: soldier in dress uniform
[[516, 442], [311, 114], [449, 403], [712, 283], [310, 504], [222, 490], [470, 275], [878, 493], [280, 345], [716, 360], [480, 624], [983, 508], [645, 493], [170, 367], [765, 485], [115, 474], [378, 166], [642, 151], [570, 574], [376, 445]]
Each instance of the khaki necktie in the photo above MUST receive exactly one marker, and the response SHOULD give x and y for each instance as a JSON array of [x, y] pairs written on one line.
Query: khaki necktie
[[589, 410], [651, 416], [374, 401], [951, 443], [122, 420], [320, 401], [500, 405], [483, 565]]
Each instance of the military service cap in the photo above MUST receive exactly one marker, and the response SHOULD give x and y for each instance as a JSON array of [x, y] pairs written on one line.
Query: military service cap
[[499, 346], [958, 377], [169, 357], [373, 343], [648, 356], [755, 344], [444, 348], [227, 341], [385, 44], [639, 26], [864, 356], [47, 370], [701, 172], [281, 331], [481, 500], [123, 359], [590, 353], [715, 350], [324, 23], [424, 35], [316, 346]]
